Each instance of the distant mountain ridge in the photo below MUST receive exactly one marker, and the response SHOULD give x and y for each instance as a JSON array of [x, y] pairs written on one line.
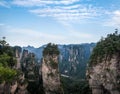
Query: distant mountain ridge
[[72, 60]]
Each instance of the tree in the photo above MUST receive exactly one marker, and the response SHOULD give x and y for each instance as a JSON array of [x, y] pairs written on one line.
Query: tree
[[51, 49], [7, 74], [7, 61], [106, 48], [6, 54]]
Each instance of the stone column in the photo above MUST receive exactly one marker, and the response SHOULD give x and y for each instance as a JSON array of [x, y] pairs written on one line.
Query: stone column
[[50, 75], [97, 89], [1, 88], [114, 91]]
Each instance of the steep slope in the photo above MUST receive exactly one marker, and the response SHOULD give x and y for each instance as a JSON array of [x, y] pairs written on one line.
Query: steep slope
[[50, 72], [36, 51], [31, 71], [104, 66], [74, 58]]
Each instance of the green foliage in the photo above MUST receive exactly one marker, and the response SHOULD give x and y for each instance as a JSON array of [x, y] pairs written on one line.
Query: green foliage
[[106, 48], [53, 64], [6, 54], [4, 59], [7, 74], [51, 49], [71, 86], [7, 61]]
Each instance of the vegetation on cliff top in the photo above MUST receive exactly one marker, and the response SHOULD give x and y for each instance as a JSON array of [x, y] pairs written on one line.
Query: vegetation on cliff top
[[106, 48], [51, 49], [7, 62]]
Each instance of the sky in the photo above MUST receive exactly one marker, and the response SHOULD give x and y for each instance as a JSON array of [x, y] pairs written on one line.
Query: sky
[[38, 22]]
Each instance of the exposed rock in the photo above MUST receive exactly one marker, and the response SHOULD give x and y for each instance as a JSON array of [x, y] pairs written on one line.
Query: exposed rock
[[17, 54], [104, 66], [104, 78], [72, 59], [22, 88], [31, 71], [2, 87], [13, 87], [50, 72], [50, 75]]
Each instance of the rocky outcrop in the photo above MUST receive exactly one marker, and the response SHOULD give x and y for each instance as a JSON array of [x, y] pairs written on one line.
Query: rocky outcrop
[[18, 53], [104, 78], [31, 71], [104, 66], [16, 86], [72, 59], [51, 76], [28, 65], [2, 87], [22, 84], [50, 72]]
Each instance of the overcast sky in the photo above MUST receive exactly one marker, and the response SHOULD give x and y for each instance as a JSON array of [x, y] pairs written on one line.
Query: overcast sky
[[37, 22]]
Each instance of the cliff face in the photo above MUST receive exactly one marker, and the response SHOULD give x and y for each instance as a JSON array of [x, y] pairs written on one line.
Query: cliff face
[[18, 53], [31, 71], [104, 78], [17, 85], [29, 65], [50, 72], [50, 75], [104, 66], [72, 59]]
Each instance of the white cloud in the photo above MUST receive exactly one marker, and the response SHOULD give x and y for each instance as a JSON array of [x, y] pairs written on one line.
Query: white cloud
[[4, 4], [36, 34], [24, 37], [1, 24], [114, 19], [80, 34], [29, 3], [64, 11], [67, 13], [61, 10]]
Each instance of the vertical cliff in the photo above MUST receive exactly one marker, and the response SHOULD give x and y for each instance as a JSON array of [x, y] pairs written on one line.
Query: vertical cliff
[[104, 66], [50, 72], [31, 71], [73, 59], [18, 53]]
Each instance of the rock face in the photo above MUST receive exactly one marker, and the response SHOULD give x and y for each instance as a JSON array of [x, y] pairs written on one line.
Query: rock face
[[31, 71], [104, 66], [18, 86], [17, 50], [72, 59], [2, 88], [50, 74], [104, 78]]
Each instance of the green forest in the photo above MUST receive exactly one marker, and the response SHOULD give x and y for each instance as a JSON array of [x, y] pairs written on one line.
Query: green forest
[[7, 62], [106, 48]]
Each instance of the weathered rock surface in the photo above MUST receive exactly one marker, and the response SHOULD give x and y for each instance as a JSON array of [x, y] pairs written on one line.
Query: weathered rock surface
[[50, 75], [104, 78]]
